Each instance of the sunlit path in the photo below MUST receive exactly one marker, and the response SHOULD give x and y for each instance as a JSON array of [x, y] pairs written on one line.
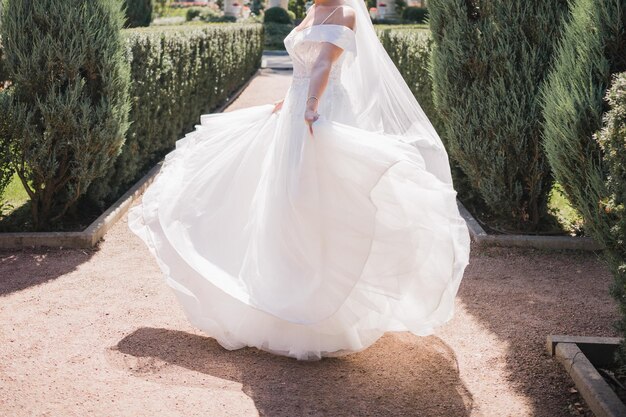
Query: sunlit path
[[100, 333]]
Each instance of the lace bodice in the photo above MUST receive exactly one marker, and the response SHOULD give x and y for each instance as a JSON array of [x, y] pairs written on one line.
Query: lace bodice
[[304, 47]]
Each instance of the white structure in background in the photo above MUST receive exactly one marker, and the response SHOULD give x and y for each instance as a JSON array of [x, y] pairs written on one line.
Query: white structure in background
[[233, 7], [278, 3]]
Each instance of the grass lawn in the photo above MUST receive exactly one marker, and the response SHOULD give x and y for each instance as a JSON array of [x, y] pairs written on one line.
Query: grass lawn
[[14, 196], [568, 217]]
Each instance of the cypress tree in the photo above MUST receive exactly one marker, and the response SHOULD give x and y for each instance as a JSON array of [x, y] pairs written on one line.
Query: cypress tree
[[489, 60], [138, 13], [593, 48], [585, 129], [68, 65]]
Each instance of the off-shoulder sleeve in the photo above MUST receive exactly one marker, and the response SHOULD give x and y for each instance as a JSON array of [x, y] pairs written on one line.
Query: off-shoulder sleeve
[[341, 36]]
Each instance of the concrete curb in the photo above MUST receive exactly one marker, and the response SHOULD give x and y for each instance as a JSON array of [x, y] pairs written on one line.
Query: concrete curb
[[90, 237], [574, 354], [484, 239]]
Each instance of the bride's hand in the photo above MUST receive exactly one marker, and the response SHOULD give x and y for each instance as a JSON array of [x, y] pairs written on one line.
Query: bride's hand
[[310, 116], [278, 105]]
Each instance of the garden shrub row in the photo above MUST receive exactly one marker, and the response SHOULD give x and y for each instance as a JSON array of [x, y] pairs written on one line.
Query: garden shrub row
[[410, 50], [490, 59], [177, 74]]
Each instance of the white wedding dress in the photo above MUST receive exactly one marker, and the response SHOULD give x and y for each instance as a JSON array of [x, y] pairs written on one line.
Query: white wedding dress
[[304, 246]]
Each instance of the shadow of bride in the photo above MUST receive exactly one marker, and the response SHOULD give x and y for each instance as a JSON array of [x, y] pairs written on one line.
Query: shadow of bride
[[400, 375]]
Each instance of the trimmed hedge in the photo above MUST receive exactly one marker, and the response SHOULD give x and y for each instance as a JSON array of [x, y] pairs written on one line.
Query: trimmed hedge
[[410, 50], [275, 34], [68, 106], [490, 59], [178, 73], [277, 15], [138, 13], [415, 14]]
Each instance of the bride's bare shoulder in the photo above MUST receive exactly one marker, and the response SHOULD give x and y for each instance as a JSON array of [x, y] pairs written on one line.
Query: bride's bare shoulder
[[346, 17]]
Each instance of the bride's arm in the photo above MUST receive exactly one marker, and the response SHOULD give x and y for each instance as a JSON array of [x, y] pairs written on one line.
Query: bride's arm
[[319, 80], [321, 71]]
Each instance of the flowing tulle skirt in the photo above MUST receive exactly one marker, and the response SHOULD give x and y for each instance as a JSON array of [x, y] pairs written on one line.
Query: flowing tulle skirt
[[302, 246]]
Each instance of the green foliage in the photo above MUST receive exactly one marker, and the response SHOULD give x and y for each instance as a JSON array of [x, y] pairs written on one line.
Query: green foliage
[[275, 34], [278, 15], [194, 12], [3, 76], [612, 140], [410, 51], [298, 8], [69, 99], [257, 7], [7, 142], [400, 7], [592, 49], [138, 13], [161, 6], [179, 73], [415, 14], [591, 165], [489, 61]]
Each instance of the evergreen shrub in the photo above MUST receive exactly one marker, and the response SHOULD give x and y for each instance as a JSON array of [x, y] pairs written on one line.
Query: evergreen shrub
[[275, 34], [415, 14], [178, 73], [278, 15], [490, 58], [593, 48], [68, 106], [590, 165], [138, 13], [612, 141]]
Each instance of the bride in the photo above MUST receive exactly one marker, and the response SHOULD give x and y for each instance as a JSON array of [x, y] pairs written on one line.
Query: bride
[[311, 227]]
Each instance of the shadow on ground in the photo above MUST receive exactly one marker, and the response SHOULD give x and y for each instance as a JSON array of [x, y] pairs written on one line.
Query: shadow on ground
[[21, 269], [522, 296], [400, 375]]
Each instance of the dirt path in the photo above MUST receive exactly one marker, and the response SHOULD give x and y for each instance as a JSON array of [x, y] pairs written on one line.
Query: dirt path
[[98, 333]]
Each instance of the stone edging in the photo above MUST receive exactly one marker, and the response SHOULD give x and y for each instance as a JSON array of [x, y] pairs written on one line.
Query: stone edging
[[484, 239], [601, 399], [90, 237]]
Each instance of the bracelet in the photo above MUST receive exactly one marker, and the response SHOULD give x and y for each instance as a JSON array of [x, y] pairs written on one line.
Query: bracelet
[[307, 100]]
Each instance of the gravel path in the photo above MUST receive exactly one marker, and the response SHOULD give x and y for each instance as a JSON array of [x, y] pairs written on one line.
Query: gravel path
[[99, 333]]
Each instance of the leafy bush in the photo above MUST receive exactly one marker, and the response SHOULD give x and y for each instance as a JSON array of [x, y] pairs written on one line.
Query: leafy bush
[[275, 34], [138, 13], [298, 8], [278, 15], [69, 115], [194, 12], [612, 140], [415, 14], [179, 73], [490, 59]]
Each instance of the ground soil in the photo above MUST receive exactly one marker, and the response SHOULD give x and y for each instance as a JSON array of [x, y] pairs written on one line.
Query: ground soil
[[99, 333]]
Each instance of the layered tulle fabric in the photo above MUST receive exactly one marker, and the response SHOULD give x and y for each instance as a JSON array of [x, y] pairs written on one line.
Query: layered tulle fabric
[[305, 246]]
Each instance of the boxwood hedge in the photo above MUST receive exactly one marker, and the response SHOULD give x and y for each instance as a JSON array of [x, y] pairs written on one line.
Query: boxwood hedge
[[177, 73]]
